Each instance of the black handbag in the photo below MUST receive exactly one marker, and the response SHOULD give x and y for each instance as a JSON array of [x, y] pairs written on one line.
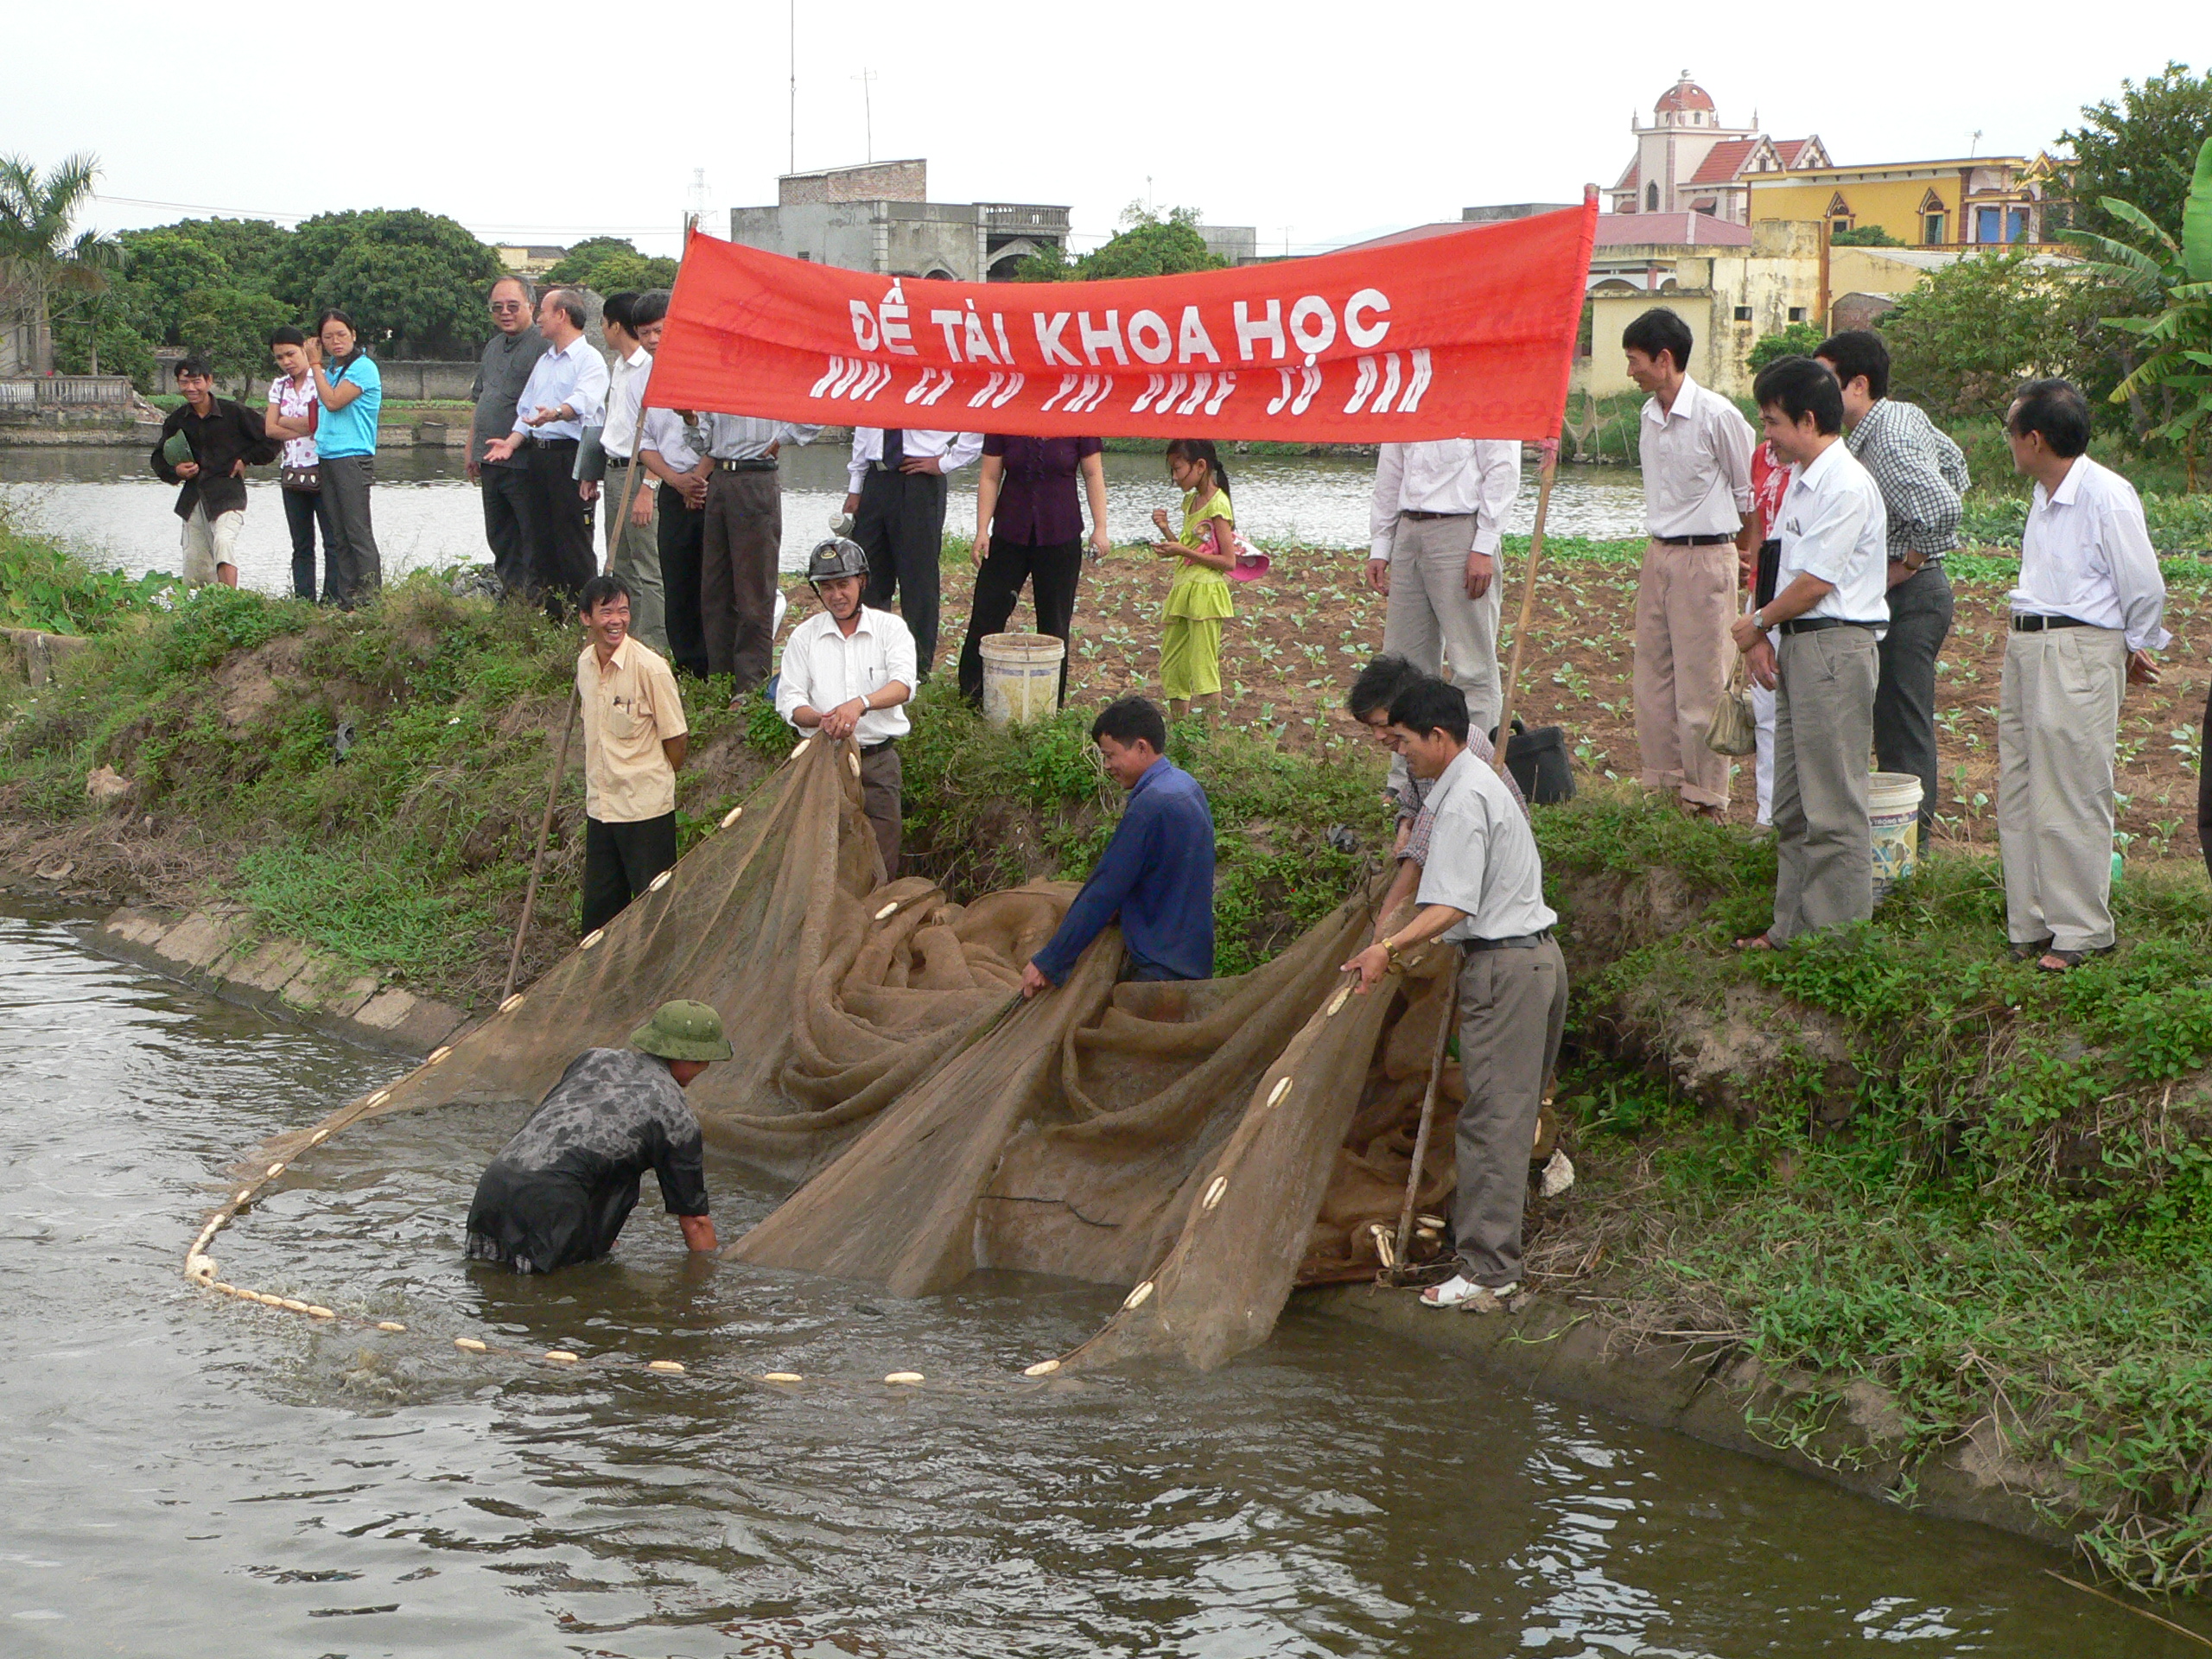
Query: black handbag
[[1539, 764]]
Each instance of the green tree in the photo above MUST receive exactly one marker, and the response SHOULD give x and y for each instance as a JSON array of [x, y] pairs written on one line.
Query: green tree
[[160, 268], [39, 257], [1797, 339], [2138, 150], [611, 264], [2172, 279], [1866, 236], [413, 282], [230, 328], [1149, 243], [1973, 330]]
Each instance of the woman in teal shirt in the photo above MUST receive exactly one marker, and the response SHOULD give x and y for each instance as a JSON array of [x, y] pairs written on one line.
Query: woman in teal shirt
[[351, 393]]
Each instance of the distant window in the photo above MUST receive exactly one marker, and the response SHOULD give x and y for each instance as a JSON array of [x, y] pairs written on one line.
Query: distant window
[[1796, 314], [1932, 226], [1651, 198], [1742, 313], [1838, 226], [804, 254]]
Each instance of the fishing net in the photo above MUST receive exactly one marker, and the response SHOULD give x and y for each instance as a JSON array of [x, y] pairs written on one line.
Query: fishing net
[[1211, 1144]]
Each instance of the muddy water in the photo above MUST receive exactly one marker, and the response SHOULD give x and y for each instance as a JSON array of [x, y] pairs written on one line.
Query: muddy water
[[427, 513], [183, 1476]]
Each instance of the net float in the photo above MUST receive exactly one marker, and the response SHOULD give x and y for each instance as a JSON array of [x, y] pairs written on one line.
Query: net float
[[318, 1137], [1430, 1221], [1386, 1251], [511, 1004], [1337, 1001], [1276, 1093], [887, 910], [856, 761], [560, 1356], [904, 1377], [390, 1324], [316, 1311], [781, 1376], [666, 1367], [1042, 1368], [469, 1346], [274, 1170], [801, 748], [377, 1098], [222, 1289], [291, 1304], [1137, 1298], [1214, 1190], [660, 881], [731, 816], [437, 1054]]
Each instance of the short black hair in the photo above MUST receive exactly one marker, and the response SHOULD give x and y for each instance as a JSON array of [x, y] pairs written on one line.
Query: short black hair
[[1130, 720], [1378, 685], [1659, 330], [2057, 409], [615, 308], [287, 335], [333, 315], [1798, 387], [1430, 704], [648, 308], [598, 590], [568, 303], [1856, 351], [193, 363]]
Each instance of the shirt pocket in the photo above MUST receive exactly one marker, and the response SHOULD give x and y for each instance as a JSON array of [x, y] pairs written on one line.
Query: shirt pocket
[[625, 721]]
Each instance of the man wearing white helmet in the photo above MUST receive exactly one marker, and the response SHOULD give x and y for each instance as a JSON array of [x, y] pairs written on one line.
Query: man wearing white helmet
[[849, 671]]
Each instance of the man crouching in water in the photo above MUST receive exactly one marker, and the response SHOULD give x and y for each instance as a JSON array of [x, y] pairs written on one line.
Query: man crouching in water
[[560, 1190]]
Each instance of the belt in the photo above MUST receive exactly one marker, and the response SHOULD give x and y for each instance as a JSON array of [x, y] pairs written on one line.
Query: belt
[[1692, 541], [537, 442], [1819, 623], [878, 748], [617, 461], [1424, 517], [750, 464], [2026, 623], [1518, 942]]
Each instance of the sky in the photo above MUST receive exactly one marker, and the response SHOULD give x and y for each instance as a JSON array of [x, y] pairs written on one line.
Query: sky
[[1316, 124]]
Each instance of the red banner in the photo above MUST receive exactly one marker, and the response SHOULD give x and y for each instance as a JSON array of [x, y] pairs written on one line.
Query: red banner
[[1467, 333]]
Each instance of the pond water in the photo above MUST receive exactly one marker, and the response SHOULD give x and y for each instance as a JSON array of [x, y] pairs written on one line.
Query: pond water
[[108, 502], [186, 1476]]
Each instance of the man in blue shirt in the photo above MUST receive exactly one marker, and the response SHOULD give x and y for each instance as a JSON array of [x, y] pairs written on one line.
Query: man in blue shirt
[[1156, 875]]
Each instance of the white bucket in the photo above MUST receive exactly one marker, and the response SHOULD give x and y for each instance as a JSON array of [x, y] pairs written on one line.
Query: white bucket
[[1893, 813], [1021, 678]]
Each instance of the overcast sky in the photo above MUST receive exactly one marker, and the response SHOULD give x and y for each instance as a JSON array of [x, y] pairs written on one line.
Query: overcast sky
[[1317, 124]]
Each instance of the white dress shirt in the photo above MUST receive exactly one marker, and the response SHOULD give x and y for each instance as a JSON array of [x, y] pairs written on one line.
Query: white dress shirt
[[954, 449], [1697, 464], [1482, 856], [667, 436], [626, 394], [574, 375], [747, 437], [1474, 476], [2087, 554], [823, 666], [1833, 527]]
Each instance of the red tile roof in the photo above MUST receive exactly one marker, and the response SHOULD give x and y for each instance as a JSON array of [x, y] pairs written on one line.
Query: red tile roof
[[1684, 94], [1724, 161], [1792, 150], [1632, 179]]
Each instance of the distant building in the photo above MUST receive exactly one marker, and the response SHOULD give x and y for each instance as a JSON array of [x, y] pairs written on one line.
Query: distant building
[[1500, 211], [1238, 243], [878, 217], [530, 261], [1686, 162], [1970, 202]]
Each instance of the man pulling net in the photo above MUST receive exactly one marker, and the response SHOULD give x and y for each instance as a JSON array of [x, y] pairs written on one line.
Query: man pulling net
[[559, 1192]]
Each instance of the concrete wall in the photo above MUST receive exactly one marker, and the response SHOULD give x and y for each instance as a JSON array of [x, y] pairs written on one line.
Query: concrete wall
[[906, 181], [1777, 275], [425, 382]]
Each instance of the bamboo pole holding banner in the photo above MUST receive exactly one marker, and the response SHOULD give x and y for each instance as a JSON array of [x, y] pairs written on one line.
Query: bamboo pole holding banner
[[1427, 1112], [537, 859], [1548, 471]]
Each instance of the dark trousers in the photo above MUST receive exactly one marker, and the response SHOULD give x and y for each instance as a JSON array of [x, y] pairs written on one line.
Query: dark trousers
[[900, 525], [1512, 1011], [620, 861], [561, 556], [743, 536], [510, 524], [1904, 696], [356, 567], [304, 512], [883, 799], [683, 537], [1053, 572]]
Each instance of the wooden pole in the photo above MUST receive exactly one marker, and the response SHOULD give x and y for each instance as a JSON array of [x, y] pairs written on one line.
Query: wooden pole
[[537, 859], [1427, 1115], [1545, 476]]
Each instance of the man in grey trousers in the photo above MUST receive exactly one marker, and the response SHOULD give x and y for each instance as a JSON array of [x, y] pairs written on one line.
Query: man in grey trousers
[[509, 356], [1828, 601], [1921, 475], [1472, 866]]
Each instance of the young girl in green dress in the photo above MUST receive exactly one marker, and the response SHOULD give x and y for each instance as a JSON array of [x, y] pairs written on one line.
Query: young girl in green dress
[[1198, 599]]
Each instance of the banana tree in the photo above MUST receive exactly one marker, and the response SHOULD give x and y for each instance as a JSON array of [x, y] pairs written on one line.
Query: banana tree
[[38, 258], [2177, 278]]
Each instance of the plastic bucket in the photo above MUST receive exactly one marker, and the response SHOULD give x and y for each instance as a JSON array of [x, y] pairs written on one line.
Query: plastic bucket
[[1021, 678], [1893, 813]]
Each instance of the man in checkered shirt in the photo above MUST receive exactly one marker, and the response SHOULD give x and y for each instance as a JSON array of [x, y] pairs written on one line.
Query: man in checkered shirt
[[1921, 475]]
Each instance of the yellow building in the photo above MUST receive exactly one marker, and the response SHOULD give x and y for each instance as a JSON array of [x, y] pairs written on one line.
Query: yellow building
[[1730, 296], [1970, 202]]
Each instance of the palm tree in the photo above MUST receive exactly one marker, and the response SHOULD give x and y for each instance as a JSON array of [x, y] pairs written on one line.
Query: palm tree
[[38, 258], [2176, 277]]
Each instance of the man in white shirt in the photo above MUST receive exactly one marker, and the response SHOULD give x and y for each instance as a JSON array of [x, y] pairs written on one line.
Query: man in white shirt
[[1438, 515], [566, 390], [632, 543], [741, 541], [1830, 604], [1696, 451], [2087, 613], [1471, 865], [847, 672], [896, 500]]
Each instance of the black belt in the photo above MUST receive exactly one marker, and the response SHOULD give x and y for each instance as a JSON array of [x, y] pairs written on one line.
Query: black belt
[[750, 464], [1518, 942], [1424, 517], [1819, 623], [878, 748], [617, 461], [2025, 623], [537, 442], [1692, 541]]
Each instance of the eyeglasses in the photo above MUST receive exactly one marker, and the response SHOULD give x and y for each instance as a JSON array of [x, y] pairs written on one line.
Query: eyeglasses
[[507, 305]]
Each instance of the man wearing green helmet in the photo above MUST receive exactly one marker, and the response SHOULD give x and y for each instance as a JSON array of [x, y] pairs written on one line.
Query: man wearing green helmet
[[560, 1190]]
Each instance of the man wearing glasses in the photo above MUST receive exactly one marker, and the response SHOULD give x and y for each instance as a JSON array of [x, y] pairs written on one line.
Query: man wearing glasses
[[509, 356]]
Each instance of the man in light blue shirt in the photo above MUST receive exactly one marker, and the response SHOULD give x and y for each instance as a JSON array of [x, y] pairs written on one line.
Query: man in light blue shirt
[[566, 391]]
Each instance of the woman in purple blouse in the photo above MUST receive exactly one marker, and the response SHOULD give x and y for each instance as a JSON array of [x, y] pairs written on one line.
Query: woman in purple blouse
[[1029, 528]]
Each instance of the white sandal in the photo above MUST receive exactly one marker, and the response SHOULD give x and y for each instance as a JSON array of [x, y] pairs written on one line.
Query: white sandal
[[1460, 1291]]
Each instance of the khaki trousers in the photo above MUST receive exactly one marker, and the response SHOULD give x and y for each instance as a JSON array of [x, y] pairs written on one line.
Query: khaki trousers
[[208, 542], [883, 799], [1431, 620], [2057, 720], [1512, 1009], [744, 534], [1685, 601], [633, 554], [1823, 732]]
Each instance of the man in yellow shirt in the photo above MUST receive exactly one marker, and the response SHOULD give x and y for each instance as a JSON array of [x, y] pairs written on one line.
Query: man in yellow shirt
[[635, 738]]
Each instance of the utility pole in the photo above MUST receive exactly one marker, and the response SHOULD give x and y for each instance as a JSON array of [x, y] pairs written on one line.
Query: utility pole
[[793, 37], [867, 79]]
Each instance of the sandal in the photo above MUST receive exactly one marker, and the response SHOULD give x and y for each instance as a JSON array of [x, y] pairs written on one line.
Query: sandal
[[2030, 950], [1756, 941], [1464, 1294], [2068, 961]]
